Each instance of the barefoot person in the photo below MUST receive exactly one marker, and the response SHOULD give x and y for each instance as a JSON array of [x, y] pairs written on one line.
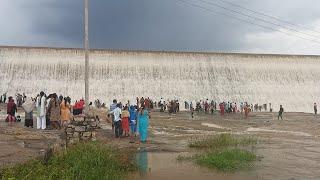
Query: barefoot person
[[143, 124], [315, 109]]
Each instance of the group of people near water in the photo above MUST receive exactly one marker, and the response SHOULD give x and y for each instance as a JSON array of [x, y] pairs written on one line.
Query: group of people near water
[[130, 120], [52, 112]]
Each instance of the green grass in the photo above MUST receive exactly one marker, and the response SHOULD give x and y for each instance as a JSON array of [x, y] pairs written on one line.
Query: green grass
[[82, 161], [227, 160], [223, 152], [221, 141]]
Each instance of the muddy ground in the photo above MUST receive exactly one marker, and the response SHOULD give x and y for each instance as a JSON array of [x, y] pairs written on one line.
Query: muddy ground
[[290, 148]]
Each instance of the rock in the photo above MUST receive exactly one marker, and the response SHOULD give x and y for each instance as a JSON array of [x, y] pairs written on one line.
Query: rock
[[69, 130], [80, 128], [86, 134], [73, 140], [93, 124], [71, 126], [78, 118], [76, 134]]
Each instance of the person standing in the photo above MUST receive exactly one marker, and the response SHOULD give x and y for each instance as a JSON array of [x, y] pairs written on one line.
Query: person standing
[[28, 108], [113, 106], [41, 111], [125, 121], [54, 108], [11, 110], [133, 123], [280, 112], [143, 124], [65, 112], [315, 108], [117, 120]]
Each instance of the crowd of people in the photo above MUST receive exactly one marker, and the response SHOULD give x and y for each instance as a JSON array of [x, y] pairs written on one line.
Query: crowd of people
[[128, 120], [52, 112], [131, 120]]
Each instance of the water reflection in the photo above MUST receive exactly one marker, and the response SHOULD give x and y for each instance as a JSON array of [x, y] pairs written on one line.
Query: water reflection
[[142, 162]]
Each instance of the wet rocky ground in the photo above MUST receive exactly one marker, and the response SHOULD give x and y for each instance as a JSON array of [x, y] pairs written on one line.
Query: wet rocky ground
[[290, 148]]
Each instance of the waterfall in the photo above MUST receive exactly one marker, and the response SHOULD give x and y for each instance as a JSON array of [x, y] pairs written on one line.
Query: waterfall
[[278, 79]]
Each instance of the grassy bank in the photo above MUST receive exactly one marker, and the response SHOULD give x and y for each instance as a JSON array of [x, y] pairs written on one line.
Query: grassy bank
[[82, 161], [224, 152]]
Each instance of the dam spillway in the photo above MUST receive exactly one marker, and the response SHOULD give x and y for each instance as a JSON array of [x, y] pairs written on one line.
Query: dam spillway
[[292, 81]]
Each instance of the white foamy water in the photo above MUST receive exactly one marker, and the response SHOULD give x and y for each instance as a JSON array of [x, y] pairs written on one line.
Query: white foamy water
[[214, 126], [288, 80]]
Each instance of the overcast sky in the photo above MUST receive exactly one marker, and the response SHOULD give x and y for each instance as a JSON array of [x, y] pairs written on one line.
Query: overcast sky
[[162, 25]]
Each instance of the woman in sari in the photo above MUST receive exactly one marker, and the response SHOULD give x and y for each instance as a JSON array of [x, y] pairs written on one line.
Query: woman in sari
[[143, 124], [65, 112]]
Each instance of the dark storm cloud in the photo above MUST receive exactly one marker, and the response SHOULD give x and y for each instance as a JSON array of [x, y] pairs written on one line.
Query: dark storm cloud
[[153, 24]]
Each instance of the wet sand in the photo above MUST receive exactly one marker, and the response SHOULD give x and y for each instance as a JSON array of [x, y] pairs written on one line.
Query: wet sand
[[290, 148]]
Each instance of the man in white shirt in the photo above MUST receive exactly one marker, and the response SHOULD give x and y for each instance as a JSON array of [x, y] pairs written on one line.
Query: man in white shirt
[[117, 121]]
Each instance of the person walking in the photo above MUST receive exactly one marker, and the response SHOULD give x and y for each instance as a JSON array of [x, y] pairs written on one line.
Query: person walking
[[41, 111], [143, 124], [280, 112]]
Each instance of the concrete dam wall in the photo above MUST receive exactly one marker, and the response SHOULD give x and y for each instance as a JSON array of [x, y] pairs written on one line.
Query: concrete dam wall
[[292, 81]]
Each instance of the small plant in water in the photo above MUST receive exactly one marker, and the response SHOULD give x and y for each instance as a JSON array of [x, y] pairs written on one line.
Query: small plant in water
[[222, 152], [227, 160]]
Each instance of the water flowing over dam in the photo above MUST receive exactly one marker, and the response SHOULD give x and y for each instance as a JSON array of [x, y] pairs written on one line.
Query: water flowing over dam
[[292, 81]]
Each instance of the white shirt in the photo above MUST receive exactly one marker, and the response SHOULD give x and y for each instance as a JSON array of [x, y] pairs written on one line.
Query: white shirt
[[116, 112]]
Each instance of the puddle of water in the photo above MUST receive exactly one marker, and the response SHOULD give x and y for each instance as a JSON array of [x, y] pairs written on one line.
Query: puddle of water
[[278, 131], [163, 165]]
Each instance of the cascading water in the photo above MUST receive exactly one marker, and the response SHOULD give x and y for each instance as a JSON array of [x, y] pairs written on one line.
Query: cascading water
[[288, 80]]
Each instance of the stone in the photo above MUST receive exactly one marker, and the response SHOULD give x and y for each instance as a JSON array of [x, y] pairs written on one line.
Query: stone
[[80, 128], [71, 126], [76, 134], [93, 124], [69, 130], [73, 140], [86, 134], [78, 118]]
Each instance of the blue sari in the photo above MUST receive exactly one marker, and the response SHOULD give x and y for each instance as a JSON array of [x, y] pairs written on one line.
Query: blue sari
[[143, 125]]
